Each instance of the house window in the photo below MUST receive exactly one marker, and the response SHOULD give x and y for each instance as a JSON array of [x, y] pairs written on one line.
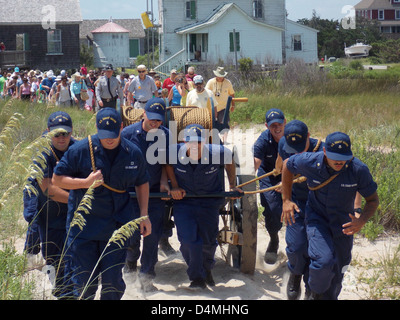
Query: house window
[[54, 41], [190, 10], [237, 42], [381, 14], [134, 48], [257, 9], [397, 15], [297, 45]]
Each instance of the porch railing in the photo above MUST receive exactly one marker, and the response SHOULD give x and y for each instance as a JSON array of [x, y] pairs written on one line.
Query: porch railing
[[177, 61], [15, 58]]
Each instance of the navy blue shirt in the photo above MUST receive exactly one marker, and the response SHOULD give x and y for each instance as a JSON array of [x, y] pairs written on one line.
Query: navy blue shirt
[[205, 177], [48, 82], [52, 213], [266, 149], [299, 190], [155, 156], [332, 203], [109, 209]]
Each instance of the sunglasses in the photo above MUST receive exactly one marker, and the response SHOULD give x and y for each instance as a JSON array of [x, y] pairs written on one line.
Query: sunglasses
[[141, 71], [62, 134]]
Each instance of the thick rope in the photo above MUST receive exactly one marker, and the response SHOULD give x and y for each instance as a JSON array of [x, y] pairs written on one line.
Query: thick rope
[[296, 180], [190, 115], [54, 154], [275, 172], [131, 115], [94, 167]]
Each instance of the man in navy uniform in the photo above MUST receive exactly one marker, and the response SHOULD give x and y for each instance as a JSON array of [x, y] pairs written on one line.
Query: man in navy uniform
[[152, 138], [112, 165], [297, 139], [199, 169], [50, 211], [334, 177], [265, 154]]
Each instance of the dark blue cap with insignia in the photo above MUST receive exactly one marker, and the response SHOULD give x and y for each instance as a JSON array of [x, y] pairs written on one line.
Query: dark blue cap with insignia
[[108, 67], [295, 136], [59, 120], [108, 121], [274, 115], [194, 132], [338, 146], [155, 109]]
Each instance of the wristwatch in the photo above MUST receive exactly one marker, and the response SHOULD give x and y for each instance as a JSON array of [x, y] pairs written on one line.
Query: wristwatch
[[358, 210]]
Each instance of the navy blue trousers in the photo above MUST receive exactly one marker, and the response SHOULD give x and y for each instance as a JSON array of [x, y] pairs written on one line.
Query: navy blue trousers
[[82, 257], [53, 246], [197, 229], [149, 254], [32, 241], [272, 203], [297, 245], [330, 256]]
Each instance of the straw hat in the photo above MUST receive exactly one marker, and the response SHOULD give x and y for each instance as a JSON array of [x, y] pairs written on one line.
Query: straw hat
[[76, 74], [220, 72]]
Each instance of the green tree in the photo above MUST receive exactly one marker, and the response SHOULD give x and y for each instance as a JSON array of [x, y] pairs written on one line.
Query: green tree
[[86, 55], [332, 37]]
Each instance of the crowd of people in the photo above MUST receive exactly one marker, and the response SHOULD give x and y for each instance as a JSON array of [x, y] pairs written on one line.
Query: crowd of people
[[89, 89], [321, 214]]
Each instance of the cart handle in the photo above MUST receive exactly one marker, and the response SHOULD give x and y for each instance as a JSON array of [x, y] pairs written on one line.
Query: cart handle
[[230, 194]]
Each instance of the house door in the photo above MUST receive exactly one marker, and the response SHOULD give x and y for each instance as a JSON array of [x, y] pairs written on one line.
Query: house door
[[22, 42], [198, 46]]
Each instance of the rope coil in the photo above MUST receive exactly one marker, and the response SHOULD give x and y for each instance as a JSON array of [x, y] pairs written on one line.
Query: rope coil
[[94, 167], [184, 116]]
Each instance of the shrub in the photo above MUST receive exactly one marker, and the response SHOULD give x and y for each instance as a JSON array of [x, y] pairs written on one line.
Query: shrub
[[245, 65]]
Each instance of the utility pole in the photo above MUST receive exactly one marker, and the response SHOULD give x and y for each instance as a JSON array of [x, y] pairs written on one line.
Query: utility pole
[[148, 37], [152, 32], [234, 48]]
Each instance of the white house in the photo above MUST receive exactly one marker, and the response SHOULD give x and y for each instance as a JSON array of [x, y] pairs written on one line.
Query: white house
[[203, 31], [301, 42]]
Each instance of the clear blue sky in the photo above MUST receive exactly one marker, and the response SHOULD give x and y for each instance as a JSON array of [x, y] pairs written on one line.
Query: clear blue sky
[[131, 9]]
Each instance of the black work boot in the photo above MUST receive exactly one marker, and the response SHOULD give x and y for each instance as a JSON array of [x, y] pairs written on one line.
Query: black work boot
[[293, 289], [209, 278], [198, 284], [166, 247], [315, 296], [271, 255], [130, 266]]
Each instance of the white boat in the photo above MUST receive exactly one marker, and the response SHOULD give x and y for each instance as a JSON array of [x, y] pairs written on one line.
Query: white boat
[[359, 49]]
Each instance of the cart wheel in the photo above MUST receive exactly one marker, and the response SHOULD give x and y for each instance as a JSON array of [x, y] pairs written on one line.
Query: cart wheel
[[245, 221]]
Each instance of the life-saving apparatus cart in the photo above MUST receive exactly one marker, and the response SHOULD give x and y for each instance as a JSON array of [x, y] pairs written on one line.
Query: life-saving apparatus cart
[[238, 236]]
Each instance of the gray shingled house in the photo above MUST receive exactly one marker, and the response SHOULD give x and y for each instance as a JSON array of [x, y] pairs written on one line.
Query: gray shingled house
[[40, 34], [136, 33]]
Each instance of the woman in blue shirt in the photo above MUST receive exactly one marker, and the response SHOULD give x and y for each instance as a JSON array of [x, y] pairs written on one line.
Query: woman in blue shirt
[[77, 84]]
